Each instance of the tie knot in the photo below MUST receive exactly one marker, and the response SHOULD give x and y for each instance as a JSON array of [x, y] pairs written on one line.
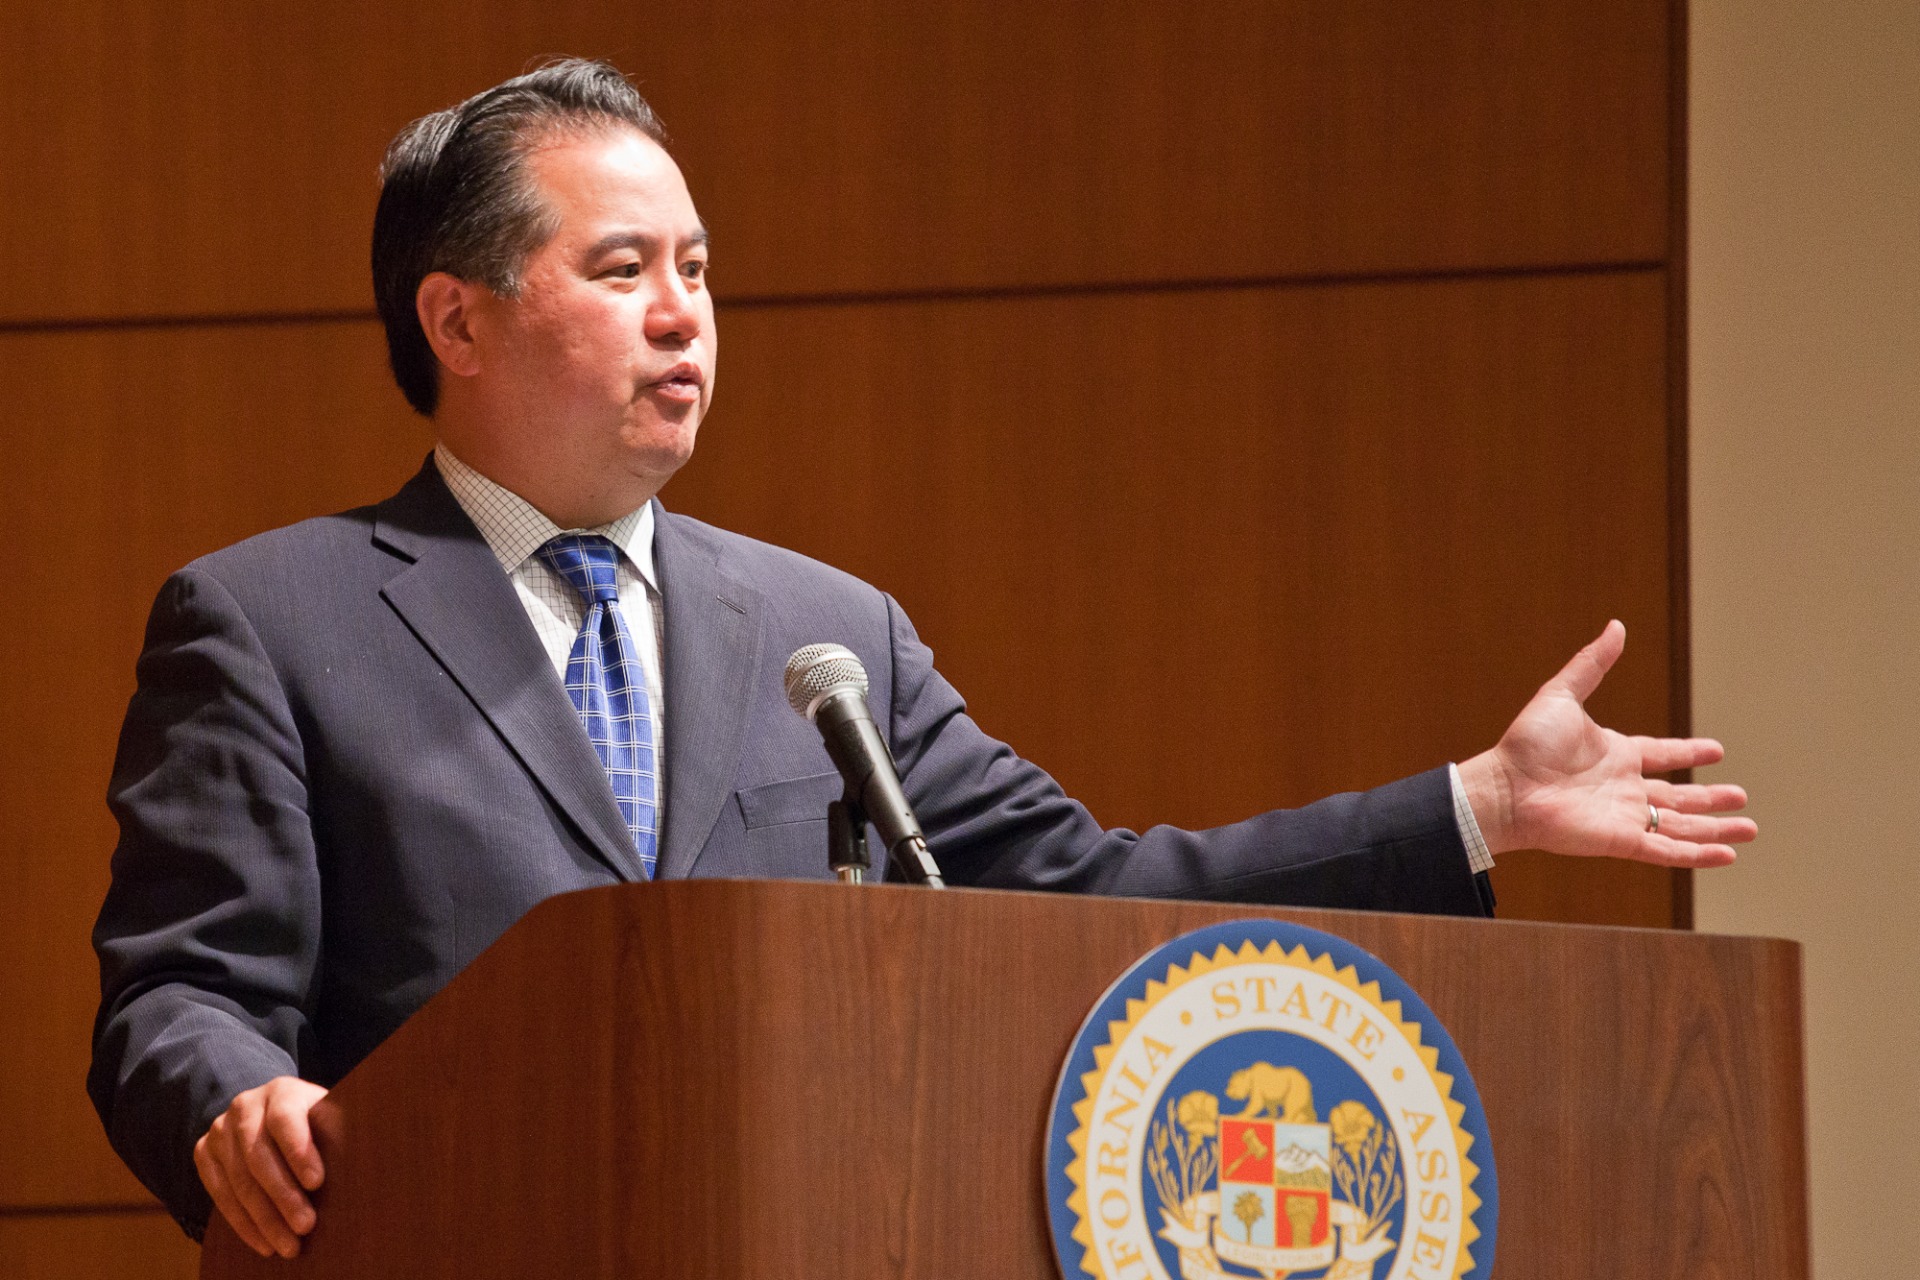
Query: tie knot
[[588, 562]]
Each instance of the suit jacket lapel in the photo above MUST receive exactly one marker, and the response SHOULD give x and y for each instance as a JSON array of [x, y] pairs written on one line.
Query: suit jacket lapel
[[712, 660], [464, 610]]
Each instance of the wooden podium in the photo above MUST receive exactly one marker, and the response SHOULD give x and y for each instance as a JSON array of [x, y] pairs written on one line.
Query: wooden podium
[[759, 1079]]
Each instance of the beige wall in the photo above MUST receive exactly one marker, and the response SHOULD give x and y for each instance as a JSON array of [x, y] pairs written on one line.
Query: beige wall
[[1806, 554]]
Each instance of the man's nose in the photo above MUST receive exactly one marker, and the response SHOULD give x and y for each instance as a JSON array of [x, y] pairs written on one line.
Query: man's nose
[[674, 316]]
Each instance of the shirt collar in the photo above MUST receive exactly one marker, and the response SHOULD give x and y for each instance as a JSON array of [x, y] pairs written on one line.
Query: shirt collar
[[514, 529]]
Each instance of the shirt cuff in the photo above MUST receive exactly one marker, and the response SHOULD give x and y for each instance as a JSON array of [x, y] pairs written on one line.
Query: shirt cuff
[[1479, 857]]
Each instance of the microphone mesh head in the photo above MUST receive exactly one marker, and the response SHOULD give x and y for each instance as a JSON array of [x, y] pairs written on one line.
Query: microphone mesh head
[[820, 670]]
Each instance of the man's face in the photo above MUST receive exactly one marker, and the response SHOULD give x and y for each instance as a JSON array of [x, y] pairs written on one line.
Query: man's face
[[603, 364]]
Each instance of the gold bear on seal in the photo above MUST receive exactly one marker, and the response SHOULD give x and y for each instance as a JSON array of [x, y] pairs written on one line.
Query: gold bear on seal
[[1270, 1092]]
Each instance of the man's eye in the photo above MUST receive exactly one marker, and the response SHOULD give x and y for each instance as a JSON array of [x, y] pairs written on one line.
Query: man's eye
[[694, 269]]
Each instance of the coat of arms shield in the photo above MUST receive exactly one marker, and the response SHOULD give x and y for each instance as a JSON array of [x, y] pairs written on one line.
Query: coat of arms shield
[[1276, 1187]]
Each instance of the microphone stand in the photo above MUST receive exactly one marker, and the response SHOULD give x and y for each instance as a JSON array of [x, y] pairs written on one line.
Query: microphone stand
[[849, 860], [847, 841]]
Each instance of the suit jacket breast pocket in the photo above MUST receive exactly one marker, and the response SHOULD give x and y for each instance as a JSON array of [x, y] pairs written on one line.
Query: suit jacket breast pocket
[[794, 800]]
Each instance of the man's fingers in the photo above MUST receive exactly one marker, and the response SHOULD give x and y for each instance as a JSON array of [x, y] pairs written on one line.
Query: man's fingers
[[1701, 829], [259, 1208], [227, 1203], [289, 1204], [248, 1156], [291, 1132], [231, 1149], [1664, 755], [1695, 797], [1668, 852], [1583, 674]]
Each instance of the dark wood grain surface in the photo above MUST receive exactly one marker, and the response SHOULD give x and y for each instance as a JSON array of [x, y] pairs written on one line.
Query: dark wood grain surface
[[95, 1245], [220, 158], [747, 1079]]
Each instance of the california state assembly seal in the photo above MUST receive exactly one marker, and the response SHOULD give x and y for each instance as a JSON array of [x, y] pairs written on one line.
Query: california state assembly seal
[[1263, 1099]]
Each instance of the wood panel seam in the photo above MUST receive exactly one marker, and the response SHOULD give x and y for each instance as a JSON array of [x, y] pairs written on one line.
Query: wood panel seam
[[755, 302], [1679, 488], [79, 1210]]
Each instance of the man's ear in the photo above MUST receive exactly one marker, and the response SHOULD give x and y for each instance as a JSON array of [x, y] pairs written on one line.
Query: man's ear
[[445, 305]]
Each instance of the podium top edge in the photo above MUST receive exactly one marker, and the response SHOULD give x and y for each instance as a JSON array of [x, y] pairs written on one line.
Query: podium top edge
[[1329, 919]]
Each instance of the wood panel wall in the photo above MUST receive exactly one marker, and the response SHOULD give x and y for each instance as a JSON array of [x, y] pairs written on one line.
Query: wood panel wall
[[1248, 401]]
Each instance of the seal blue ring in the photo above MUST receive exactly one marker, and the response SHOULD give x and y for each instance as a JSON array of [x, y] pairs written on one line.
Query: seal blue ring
[[1132, 985]]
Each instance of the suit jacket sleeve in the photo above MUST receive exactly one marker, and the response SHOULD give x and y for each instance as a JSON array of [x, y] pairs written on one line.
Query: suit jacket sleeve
[[995, 820], [210, 932]]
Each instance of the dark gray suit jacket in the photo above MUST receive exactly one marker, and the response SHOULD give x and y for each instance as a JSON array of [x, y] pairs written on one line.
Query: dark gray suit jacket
[[349, 766]]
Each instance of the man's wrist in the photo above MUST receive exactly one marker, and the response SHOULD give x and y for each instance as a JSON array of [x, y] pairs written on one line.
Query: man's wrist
[[1479, 857], [1490, 797]]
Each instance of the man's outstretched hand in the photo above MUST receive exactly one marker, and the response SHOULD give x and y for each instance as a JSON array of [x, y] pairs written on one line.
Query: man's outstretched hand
[[258, 1162], [1558, 781]]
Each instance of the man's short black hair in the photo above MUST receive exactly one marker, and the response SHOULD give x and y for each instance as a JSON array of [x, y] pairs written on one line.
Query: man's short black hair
[[455, 196]]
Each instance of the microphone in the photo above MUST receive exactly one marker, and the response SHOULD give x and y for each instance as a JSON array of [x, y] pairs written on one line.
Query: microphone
[[826, 684]]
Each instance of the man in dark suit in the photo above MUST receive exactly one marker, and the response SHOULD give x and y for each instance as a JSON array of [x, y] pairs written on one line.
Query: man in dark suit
[[363, 746]]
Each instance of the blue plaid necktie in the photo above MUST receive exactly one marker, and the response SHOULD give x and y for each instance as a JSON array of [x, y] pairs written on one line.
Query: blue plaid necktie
[[608, 685]]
